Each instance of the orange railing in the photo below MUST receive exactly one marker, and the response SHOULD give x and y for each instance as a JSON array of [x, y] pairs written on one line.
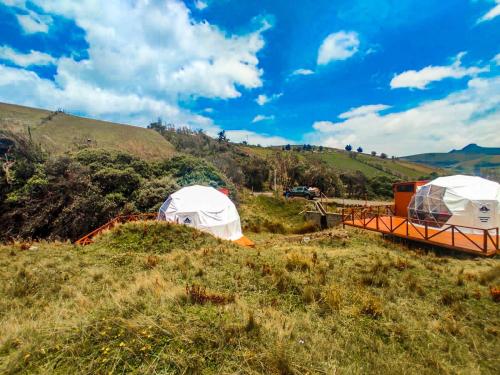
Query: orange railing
[[378, 219], [88, 238]]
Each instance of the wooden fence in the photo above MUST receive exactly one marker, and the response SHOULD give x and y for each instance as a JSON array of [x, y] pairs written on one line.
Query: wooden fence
[[470, 239], [88, 238]]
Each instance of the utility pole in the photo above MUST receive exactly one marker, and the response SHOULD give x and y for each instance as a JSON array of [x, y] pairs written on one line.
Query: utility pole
[[275, 180]]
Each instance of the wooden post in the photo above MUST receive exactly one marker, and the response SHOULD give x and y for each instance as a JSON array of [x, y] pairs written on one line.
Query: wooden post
[[452, 235], [485, 240], [426, 230]]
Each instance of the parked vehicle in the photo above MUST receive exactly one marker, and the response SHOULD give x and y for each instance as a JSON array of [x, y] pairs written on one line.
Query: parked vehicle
[[301, 191]]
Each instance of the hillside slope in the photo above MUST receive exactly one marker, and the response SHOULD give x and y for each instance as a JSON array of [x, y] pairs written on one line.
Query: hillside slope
[[153, 298], [58, 132], [472, 159], [344, 161]]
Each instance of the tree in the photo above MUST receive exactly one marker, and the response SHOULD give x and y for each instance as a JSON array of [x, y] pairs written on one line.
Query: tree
[[221, 136], [374, 153], [383, 155], [288, 147], [360, 149], [348, 148], [320, 148], [158, 126]]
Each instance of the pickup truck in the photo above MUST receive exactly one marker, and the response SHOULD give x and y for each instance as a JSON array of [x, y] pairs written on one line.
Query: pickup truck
[[300, 191]]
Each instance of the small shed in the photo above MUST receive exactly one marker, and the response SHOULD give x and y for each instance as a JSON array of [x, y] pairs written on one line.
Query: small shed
[[403, 193]]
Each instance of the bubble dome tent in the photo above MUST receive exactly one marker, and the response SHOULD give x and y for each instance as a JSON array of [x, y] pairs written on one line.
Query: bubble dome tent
[[455, 212], [465, 201]]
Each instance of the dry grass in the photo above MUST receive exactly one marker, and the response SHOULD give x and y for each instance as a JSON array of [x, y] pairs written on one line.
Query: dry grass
[[65, 132], [289, 307]]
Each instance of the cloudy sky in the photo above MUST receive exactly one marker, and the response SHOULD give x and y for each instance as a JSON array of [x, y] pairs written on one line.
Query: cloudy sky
[[400, 77]]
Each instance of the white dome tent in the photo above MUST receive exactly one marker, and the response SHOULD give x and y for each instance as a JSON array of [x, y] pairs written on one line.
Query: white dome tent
[[465, 201], [204, 208]]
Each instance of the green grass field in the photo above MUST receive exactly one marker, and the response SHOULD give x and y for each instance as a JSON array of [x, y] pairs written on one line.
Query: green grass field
[[63, 133], [462, 162], [369, 165], [152, 298]]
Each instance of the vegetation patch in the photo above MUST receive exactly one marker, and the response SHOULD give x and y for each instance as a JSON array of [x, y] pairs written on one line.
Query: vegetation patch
[[155, 237]]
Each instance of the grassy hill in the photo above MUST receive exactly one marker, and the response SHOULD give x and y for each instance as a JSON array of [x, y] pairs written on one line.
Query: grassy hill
[[344, 161], [59, 132], [152, 298], [472, 159]]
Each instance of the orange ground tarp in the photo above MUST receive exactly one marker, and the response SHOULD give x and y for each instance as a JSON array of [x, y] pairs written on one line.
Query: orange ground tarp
[[245, 241]]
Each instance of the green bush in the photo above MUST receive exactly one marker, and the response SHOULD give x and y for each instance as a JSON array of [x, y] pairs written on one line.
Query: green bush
[[151, 194]]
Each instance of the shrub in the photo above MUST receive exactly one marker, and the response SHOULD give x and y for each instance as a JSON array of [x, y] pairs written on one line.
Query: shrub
[[117, 180], [332, 298], [371, 307], [151, 194]]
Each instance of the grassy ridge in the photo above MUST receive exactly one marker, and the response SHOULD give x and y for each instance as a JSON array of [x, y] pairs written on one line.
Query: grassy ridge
[[483, 161], [343, 301], [60, 132], [369, 165]]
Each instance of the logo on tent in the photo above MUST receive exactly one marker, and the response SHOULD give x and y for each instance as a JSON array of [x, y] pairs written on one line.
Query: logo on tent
[[484, 209], [187, 221]]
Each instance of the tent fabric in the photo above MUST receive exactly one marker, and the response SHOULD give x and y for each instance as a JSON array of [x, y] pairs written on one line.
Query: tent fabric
[[466, 201], [203, 208]]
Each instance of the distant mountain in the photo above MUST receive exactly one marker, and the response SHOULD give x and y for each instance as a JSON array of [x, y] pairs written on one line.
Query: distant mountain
[[475, 149], [472, 159]]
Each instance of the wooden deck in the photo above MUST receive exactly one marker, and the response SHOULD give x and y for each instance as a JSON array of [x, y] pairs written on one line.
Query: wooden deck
[[485, 242]]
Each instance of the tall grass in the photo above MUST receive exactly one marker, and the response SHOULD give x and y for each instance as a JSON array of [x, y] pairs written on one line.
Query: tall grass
[[286, 307]]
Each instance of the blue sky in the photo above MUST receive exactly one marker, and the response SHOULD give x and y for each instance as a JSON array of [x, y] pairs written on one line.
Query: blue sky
[[399, 77]]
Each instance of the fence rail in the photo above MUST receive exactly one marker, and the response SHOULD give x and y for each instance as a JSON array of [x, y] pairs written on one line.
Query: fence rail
[[88, 238], [484, 241]]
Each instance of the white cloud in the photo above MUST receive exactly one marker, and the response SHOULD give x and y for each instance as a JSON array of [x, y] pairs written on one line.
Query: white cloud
[[26, 88], [264, 99], [25, 59], [496, 59], [200, 5], [144, 59], [470, 115], [157, 49], [302, 72], [324, 126], [364, 110], [259, 118], [421, 78], [492, 13], [32, 22], [255, 138], [338, 46]]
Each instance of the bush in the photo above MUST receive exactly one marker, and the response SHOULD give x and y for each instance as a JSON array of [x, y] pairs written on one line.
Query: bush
[[151, 194], [117, 180], [188, 170], [68, 196]]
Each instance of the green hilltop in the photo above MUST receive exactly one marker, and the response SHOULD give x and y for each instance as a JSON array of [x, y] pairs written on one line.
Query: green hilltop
[[472, 159], [58, 132]]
